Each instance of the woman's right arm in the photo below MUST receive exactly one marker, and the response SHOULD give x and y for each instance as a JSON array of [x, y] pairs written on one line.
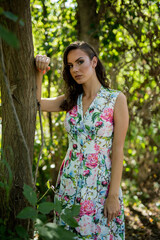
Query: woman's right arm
[[47, 104]]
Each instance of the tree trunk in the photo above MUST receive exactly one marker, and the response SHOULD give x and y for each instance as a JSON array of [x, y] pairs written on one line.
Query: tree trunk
[[88, 22], [20, 72]]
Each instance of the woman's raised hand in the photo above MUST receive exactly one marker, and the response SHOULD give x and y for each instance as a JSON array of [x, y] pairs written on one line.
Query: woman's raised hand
[[42, 63]]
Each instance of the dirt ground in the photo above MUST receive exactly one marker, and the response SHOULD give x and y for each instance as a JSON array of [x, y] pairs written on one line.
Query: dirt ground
[[143, 222]]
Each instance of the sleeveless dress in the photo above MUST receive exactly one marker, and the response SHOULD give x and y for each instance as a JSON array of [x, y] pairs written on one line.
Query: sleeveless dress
[[84, 176]]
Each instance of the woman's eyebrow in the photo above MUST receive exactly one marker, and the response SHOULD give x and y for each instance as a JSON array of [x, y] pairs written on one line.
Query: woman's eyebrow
[[76, 60]]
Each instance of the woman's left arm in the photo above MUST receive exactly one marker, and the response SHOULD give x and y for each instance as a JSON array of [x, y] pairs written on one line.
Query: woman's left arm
[[121, 121]]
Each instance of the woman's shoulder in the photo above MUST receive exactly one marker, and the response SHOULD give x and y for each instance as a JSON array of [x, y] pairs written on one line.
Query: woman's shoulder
[[114, 91], [113, 94], [110, 91]]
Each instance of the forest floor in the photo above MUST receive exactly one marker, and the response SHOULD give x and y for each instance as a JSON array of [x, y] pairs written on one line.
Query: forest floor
[[142, 218], [142, 224]]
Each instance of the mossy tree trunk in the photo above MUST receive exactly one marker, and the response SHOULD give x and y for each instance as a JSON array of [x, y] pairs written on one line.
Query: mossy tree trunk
[[20, 71]]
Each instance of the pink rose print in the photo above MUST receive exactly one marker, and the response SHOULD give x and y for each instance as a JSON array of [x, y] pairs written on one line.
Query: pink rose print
[[91, 178], [89, 137], [86, 226], [67, 162], [86, 172], [74, 146], [119, 213], [92, 160], [102, 201], [107, 114], [87, 208], [99, 123], [111, 237], [106, 131], [119, 221], [91, 110], [97, 147], [70, 154], [107, 190], [80, 156], [109, 153], [66, 198], [73, 111], [78, 199], [104, 183], [73, 121]]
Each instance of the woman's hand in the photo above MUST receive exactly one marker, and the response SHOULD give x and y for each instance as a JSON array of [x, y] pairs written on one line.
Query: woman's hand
[[42, 63], [111, 207]]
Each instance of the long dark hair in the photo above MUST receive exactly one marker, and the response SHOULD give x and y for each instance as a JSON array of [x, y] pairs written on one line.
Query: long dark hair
[[72, 88]]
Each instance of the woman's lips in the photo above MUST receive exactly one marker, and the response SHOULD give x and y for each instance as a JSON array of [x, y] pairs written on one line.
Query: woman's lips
[[78, 76]]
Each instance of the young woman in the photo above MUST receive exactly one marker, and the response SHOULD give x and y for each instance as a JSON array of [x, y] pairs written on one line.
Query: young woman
[[96, 122]]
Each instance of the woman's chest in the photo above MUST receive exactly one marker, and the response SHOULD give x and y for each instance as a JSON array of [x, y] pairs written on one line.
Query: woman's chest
[[97, 120]]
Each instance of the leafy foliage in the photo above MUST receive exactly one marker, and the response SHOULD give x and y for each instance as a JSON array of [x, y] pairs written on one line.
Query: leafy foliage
[[48, 230], [30, 195]]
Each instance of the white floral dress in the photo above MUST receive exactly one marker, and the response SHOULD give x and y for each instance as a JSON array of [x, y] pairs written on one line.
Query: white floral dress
[[84, 177]]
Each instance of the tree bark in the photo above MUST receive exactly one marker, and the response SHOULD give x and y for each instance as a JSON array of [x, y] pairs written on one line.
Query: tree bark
[[20, 72], [88, 22]]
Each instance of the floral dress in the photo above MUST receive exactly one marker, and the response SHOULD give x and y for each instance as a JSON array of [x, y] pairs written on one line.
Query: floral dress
[[85, 174]]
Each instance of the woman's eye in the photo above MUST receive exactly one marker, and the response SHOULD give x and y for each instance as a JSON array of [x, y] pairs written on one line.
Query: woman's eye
[[70, 66], [80, 62]]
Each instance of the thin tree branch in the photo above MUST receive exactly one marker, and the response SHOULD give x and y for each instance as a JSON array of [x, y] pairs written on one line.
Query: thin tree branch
[[42, 140]]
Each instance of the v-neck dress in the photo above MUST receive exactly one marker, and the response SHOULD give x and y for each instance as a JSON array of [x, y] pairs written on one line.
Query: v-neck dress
[[84, 176]]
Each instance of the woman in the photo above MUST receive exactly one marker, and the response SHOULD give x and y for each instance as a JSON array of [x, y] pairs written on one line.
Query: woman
[[96, 122]]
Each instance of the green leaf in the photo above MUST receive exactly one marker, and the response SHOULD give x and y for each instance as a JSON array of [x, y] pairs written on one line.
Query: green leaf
[[9, 37], [65, 234], [58, 206], [30, 195], [74, 211], [46, 234], [42, 217], [46, 207], [95, 115], [47, 231], [27, 212], [87, 127], [48, 184], [21, 231], [21, 22], [51, 231], [80, 130], [69, 220], [10, 15]]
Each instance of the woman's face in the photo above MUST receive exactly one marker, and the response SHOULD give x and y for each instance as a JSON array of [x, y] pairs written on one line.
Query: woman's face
[[82, 69]]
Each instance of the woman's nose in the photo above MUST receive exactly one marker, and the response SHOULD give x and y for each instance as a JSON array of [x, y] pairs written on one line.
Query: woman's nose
[[75, 68]]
